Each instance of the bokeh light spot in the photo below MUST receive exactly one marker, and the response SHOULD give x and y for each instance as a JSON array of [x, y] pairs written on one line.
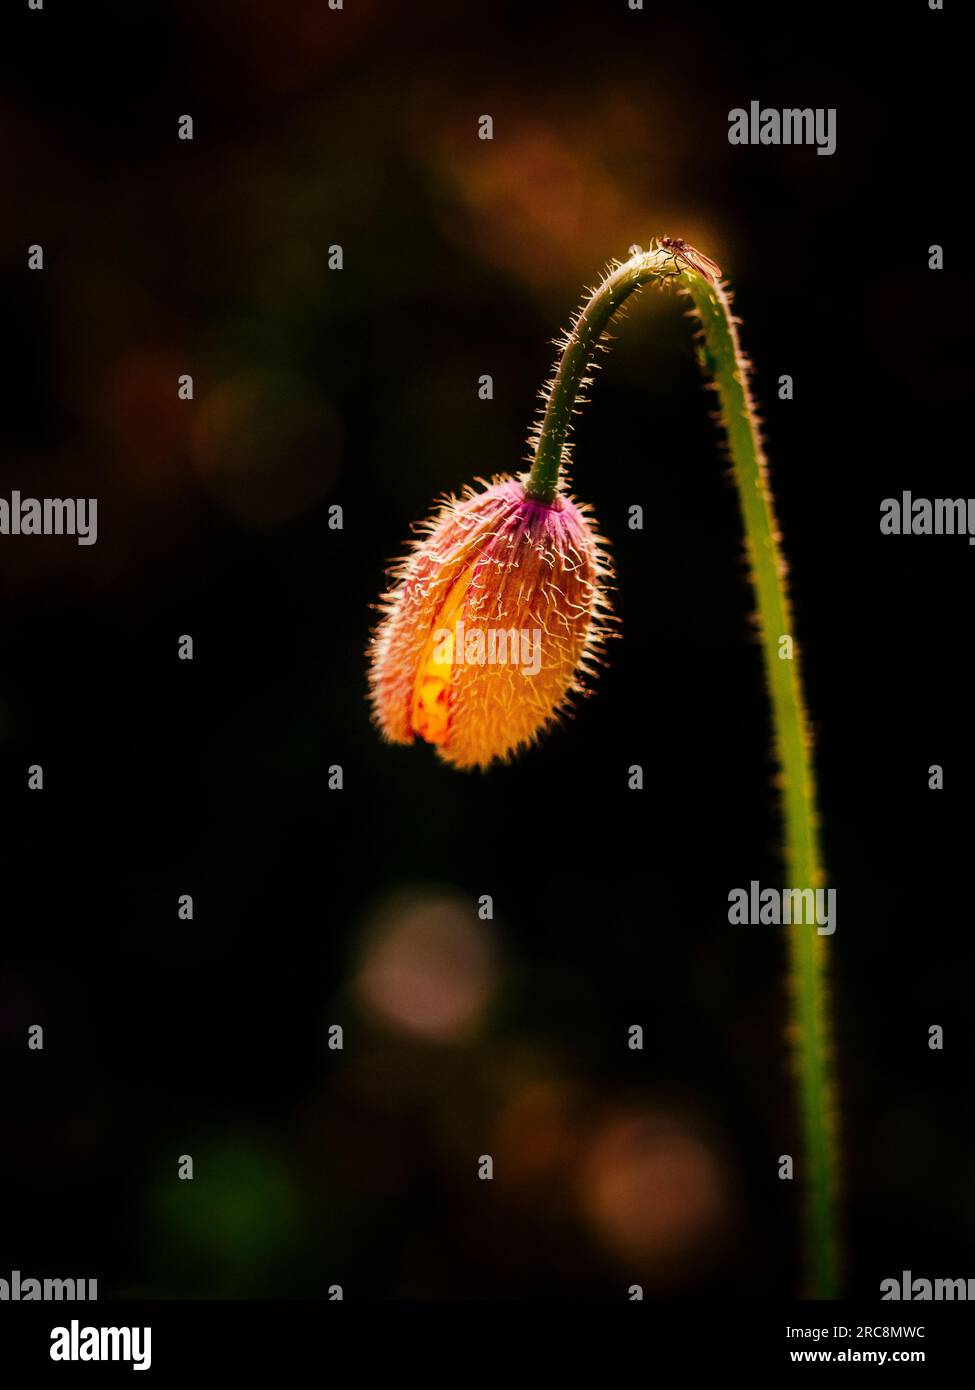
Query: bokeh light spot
[[653, 1191], [427, 966]]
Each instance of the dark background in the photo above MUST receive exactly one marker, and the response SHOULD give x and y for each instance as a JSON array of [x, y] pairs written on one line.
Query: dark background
[[316, 907]]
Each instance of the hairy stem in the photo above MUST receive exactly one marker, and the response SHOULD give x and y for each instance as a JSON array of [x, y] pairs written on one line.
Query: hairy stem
[[562, 395], [722, 359]]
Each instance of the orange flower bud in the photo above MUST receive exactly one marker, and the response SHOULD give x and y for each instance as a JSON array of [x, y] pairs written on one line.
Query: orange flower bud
[[496, 617]]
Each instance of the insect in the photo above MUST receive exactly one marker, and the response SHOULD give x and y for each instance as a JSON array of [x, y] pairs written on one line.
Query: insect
[[696, 259]]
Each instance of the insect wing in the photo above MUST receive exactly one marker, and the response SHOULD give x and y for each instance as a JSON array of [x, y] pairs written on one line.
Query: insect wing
[[701, 263]]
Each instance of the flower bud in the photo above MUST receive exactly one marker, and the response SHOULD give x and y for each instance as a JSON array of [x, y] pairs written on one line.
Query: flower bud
[[496, 617]]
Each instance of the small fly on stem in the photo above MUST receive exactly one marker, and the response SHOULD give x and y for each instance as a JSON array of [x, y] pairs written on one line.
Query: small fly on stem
[[691, 256]]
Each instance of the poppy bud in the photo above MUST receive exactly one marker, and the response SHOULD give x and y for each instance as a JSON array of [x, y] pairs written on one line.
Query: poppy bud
[[496, 617]]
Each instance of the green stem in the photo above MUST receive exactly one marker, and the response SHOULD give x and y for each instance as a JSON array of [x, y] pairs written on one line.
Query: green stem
[[722, 359], [563, 395]]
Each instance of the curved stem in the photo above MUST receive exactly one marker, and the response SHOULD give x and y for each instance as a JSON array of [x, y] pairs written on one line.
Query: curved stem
[[562, 395], [722, 359]]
